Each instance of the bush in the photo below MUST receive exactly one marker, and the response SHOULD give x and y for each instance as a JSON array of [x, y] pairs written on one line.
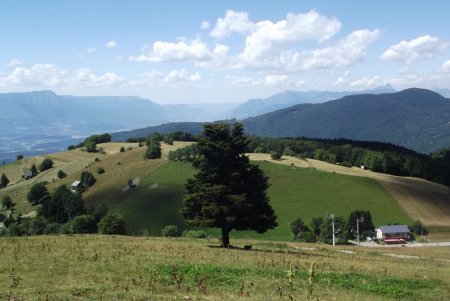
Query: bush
[[87, 179], [170, 231], [122, 149], [417, 227], [297, 226], [194, 234], [112, 223], [306, 236], [65, 228], [19, 157], [100, 170], [38, 225], [52, 228], [83, 224], [16, 229], [46, 164], [61, 174], [275, 155]]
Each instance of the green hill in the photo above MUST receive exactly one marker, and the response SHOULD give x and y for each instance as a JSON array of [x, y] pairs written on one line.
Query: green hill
[[156, 200]]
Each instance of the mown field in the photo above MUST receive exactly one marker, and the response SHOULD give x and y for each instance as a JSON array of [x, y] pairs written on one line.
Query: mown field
[[140, 268]]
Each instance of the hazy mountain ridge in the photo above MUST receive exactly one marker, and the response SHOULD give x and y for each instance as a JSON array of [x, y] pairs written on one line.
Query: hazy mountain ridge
[[255, 107]]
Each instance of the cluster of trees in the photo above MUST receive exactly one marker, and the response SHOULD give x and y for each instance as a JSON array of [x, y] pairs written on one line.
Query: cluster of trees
[[90, 143], [187, 153], [168, 137], [376, 156], [153, 147], [60, 212], [321, 229]]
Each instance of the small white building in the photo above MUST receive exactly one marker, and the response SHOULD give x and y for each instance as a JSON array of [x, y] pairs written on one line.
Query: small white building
[[75, 186], [393, 234]]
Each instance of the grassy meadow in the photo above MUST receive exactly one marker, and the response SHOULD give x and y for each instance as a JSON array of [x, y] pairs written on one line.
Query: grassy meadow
[[93, 267]]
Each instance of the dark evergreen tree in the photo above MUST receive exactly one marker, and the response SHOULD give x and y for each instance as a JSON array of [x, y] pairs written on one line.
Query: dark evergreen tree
[[227, 192], [4, 181], [33, 170]]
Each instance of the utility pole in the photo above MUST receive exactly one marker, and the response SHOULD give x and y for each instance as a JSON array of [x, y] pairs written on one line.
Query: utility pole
[[331, 216], [359, 220]]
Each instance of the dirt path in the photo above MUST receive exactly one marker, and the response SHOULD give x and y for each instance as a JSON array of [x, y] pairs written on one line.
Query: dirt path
[[421, 199]]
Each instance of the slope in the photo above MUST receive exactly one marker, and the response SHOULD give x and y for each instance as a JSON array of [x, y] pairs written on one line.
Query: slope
[[415, 118]]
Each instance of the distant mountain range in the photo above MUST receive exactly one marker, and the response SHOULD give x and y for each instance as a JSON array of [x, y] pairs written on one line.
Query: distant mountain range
[[256, 107], [39, 122], [414, 118]]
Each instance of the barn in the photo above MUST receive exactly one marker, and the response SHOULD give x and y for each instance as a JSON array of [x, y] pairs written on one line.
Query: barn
[[393, 234]]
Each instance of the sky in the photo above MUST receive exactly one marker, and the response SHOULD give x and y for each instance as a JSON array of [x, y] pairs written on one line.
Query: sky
[[221, 51]]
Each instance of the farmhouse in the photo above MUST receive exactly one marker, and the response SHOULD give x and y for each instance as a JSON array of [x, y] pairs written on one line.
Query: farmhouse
[[393, 234], [75, 186], [28, 175]]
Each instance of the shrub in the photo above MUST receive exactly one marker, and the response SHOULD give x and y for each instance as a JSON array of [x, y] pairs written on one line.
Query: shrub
[[19, 157], [417, 227], [122, 149], [112, 223], [16, 229], [66, 228], [87, 179], [52, 228], [297, 226], [194, 234], [275, 155], [170, 231], [38, 225], [83, 224], [46, 164], [61, 174], [100, 170], [306, 236]]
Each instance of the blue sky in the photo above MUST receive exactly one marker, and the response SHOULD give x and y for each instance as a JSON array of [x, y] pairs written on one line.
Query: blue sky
[[221, 51]]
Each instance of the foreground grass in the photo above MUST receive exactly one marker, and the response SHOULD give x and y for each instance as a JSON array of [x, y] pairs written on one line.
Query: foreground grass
[[129, 268]]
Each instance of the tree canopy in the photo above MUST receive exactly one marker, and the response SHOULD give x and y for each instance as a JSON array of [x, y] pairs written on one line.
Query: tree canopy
[[227, 192], [47, 163]]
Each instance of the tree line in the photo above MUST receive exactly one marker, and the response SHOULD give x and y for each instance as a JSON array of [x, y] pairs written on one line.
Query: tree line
[[376, 156]]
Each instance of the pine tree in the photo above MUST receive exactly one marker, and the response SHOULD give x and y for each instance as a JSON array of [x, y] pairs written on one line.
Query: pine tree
[[227, 192], [4, 181]]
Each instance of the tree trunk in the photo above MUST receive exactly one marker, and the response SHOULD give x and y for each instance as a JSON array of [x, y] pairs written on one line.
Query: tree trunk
[[225, 237]]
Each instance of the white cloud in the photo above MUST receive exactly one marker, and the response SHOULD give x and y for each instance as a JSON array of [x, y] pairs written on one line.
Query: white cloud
[[205, 25], [177, 76], [365, 82], [276, 79], [183, 50], [49, 76], [91, 50], [240, 80], [346, 52], [268, 37], [232, 22], [446, 67], [14, 62], [111, 44], [420, 48]]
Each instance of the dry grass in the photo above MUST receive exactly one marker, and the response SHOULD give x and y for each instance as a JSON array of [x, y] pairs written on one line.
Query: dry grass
[[128, 268]]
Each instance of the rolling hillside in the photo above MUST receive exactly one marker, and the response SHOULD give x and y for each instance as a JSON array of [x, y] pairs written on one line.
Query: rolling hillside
[[307, 189], [415, 118]]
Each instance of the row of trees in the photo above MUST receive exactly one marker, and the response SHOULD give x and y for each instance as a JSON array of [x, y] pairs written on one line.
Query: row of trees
[[376, 156], [321, 228]]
